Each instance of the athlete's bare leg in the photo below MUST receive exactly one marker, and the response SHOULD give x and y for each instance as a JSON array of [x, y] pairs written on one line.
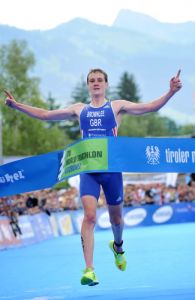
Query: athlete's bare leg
[[87, 229]]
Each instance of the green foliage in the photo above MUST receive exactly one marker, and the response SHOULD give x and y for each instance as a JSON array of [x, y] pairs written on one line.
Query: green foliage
[[188, 130], [15, 62], [127, 88], [23, 135], [148, 125], [79, 94], [51, 105], [51, 102]]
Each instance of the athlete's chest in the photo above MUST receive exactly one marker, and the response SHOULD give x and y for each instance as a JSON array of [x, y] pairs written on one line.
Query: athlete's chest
[[101, 117]]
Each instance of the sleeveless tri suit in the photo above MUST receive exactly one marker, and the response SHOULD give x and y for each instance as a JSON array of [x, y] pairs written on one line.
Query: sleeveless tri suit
[[100, 122]]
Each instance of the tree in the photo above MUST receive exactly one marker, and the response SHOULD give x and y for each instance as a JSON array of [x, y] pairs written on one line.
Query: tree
[[187, 129], [127, 88], [51, 105], [23, 135], [148, 125], [79, 94]]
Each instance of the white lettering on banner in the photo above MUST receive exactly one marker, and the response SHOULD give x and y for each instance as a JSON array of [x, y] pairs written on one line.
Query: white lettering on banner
[[135, 216], [163, 214], [104, 220], [1, 236], [193, 156], [79, 221], [27, 229], [12, 177], [65, 223], [178, 156], [6, 233]]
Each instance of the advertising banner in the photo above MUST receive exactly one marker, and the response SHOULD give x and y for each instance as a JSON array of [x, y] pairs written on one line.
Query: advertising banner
[[110, 154], [150, 215], [64, 221], [7, 237]]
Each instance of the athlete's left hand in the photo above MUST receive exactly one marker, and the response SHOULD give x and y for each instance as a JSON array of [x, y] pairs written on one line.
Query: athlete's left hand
[[175, 83]]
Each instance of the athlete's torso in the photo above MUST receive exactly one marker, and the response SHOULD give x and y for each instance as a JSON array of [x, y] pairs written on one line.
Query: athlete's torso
[[98, 121]]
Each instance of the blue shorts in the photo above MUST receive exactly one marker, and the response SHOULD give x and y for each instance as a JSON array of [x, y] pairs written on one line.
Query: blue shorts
[[112, 185]]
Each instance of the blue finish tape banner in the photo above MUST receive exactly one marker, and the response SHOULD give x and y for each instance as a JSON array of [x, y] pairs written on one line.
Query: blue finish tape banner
[[109, 154]]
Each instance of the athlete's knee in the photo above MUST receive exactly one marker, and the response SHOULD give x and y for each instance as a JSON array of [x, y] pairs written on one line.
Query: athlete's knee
[[90, 217], [116, 219]]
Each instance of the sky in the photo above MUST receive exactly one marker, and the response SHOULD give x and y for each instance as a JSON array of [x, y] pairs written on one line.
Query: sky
[[46, 14]]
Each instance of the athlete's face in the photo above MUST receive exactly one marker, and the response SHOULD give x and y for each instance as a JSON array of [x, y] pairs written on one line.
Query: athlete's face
[[97, 84]]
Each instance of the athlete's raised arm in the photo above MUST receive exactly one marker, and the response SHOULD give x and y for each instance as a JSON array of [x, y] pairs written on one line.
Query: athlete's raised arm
[[72, 112], [127, 107]]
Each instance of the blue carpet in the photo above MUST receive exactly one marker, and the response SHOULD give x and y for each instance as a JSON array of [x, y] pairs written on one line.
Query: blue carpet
[[160, 267]]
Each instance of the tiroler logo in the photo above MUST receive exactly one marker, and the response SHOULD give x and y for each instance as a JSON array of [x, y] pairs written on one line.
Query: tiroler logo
[[153, 155]]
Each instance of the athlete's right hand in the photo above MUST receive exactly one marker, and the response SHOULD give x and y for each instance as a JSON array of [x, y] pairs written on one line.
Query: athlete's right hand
[[9, 101]]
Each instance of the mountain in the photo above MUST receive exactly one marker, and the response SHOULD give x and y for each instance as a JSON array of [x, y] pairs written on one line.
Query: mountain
[[182, 33], [150, 50]]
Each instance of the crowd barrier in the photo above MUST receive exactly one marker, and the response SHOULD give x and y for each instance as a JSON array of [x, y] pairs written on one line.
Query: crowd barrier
[[39, 227]]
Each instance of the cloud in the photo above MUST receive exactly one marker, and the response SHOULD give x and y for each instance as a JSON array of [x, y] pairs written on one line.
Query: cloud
[[44, 14]]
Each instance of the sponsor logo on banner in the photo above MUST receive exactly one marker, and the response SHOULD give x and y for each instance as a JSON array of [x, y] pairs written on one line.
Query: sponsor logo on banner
[[54, 225], [104, 220], [88, 155], [65, 224], [163, 214], [6, 232], [11, 178], [26, 228], [153, 155], [135, 216], [79, 221], [6, 235]]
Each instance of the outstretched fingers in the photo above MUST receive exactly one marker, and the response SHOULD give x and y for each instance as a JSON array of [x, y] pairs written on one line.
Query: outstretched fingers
[[176, 84], [178, 74], [8, 94]]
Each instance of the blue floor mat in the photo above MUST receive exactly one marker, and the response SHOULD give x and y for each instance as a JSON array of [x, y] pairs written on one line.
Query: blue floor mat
[[160, 267]]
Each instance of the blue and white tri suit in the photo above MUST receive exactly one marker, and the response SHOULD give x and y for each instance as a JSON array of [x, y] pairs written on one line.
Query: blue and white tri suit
[[97, 122]]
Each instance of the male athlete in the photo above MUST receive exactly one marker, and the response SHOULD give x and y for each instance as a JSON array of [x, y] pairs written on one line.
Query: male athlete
[[99, 118]]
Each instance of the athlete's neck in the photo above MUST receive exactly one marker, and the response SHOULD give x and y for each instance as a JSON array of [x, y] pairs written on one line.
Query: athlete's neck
[[98, 101]]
